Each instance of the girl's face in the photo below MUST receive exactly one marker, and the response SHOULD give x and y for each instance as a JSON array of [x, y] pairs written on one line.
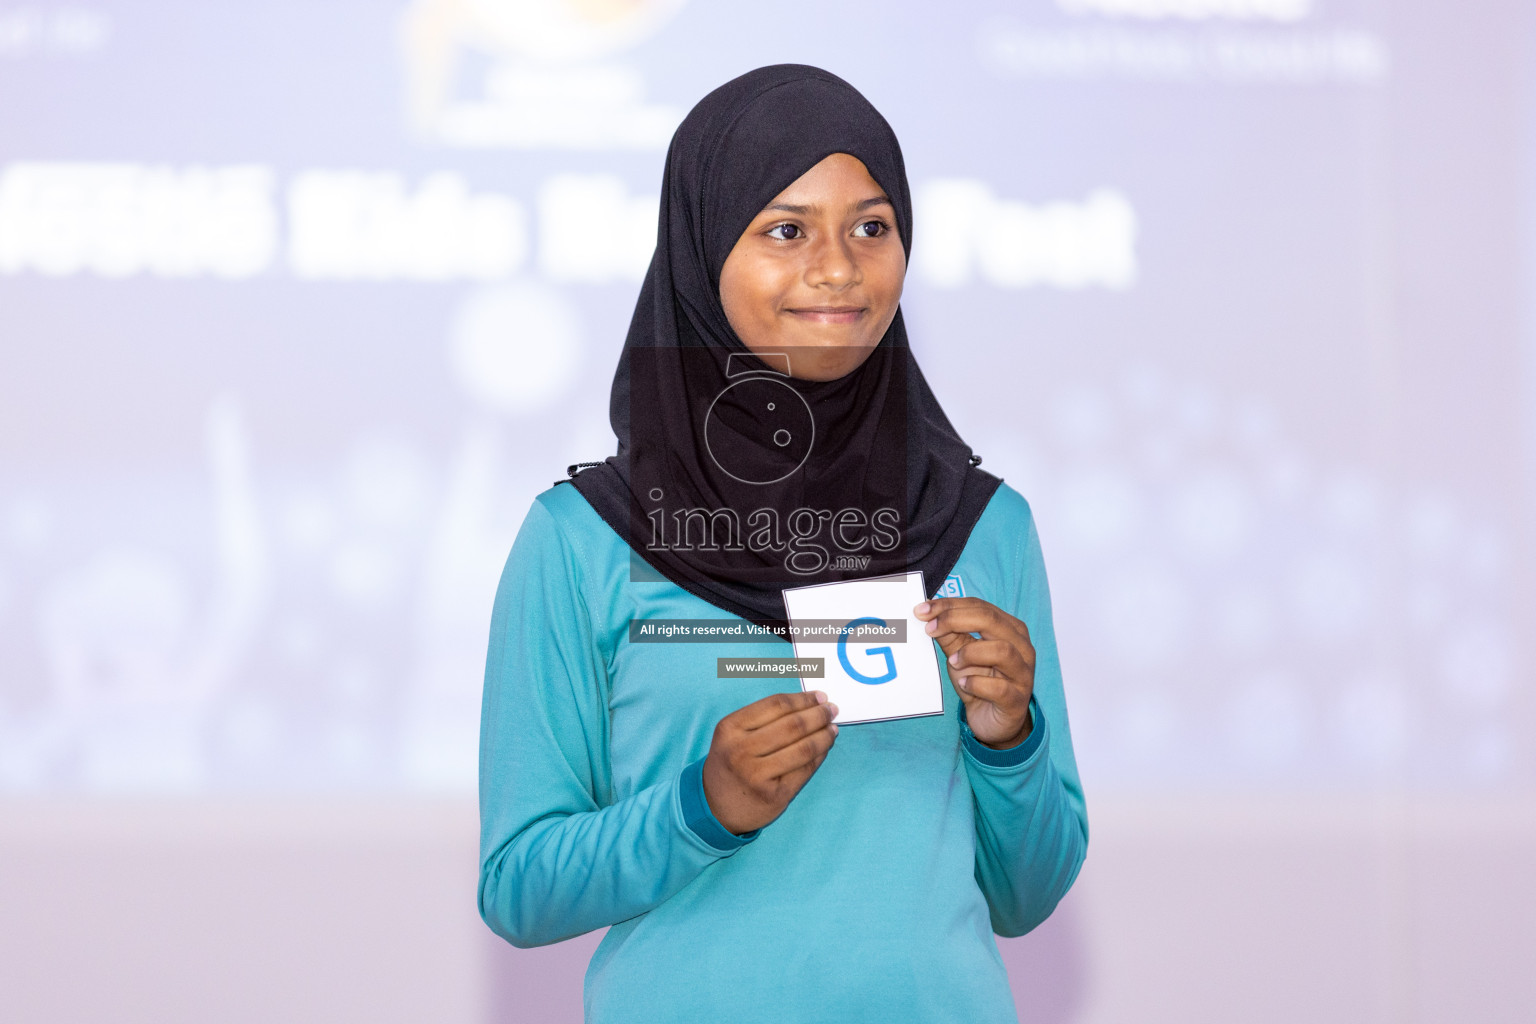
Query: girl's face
[[818, 273]]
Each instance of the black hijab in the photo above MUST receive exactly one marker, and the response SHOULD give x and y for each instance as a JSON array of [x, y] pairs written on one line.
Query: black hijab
[[732, 479]]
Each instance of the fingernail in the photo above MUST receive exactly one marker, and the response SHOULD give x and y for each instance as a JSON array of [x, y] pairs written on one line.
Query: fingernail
[[821, 698], [834, 730], [954, 659], [932, 626], [964, 682], [833, 709], [922, 609]]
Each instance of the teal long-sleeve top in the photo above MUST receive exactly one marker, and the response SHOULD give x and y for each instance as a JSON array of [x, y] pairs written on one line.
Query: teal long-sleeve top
[[873, 897]]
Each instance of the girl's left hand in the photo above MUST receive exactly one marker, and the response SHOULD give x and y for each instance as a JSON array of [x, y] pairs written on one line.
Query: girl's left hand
[[995, 675]]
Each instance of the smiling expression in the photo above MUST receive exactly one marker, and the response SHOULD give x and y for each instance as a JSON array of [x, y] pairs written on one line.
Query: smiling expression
[[818, 272]]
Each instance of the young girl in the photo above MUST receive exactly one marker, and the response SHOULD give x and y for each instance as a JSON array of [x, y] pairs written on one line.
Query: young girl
[[751, 861]]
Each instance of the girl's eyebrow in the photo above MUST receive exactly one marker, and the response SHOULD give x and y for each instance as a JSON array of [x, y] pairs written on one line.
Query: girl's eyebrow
[[863, 204]]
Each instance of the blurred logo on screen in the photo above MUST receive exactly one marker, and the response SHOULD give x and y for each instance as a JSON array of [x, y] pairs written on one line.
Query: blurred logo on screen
[[548, 87]]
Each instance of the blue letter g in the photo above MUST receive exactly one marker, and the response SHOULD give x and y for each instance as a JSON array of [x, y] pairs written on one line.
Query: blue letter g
[[842, 654]]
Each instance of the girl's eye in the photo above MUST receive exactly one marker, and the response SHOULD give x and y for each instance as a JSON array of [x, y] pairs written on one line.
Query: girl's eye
[[879, 226], [784, 227]]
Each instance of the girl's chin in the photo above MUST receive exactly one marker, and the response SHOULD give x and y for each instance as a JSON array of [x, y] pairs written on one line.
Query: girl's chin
[[820, 357], [822, 339], [835, 364]]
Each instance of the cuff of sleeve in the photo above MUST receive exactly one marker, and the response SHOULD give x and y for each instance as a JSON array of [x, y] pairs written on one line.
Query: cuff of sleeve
[[701, 819], [1009, 757]]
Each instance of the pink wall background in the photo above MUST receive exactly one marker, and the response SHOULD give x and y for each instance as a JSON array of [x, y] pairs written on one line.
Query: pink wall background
[[1339, 909]]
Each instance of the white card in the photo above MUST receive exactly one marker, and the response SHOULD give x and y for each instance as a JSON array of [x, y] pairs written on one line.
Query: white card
[[869, 679]]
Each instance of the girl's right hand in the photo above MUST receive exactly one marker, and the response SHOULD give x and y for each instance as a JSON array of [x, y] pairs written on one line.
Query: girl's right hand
[[762, 754]]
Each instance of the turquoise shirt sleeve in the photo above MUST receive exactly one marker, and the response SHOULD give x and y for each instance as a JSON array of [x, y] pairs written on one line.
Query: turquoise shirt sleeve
[[701, 819], [1031, 819], [558, 855], [1008, 757]]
